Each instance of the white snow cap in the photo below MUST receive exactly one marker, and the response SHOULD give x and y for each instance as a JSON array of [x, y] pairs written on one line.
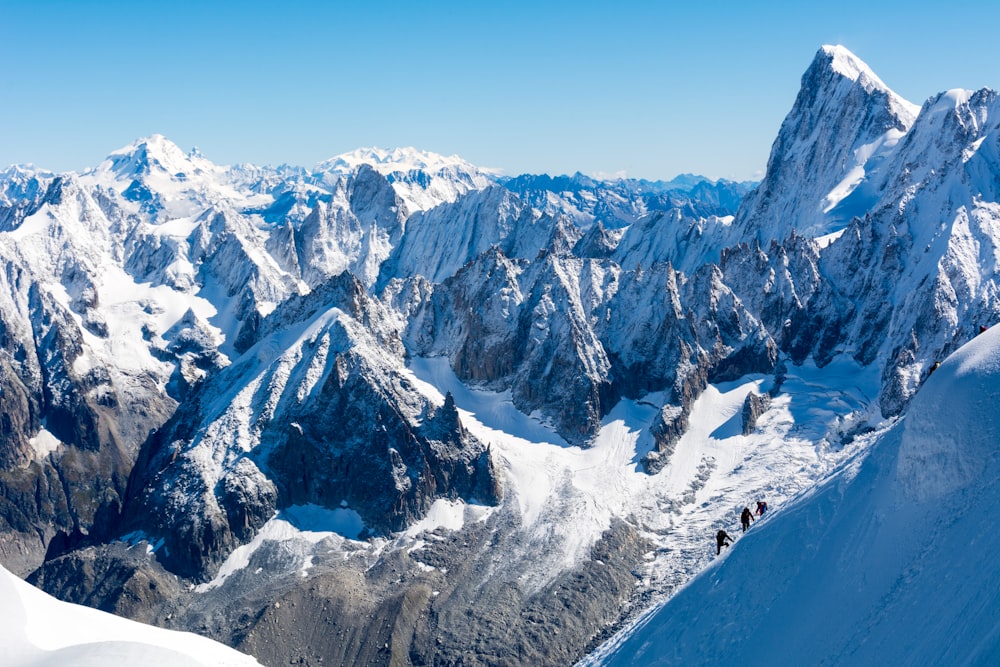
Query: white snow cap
[[848, 65], [396, 160], [153, 153]]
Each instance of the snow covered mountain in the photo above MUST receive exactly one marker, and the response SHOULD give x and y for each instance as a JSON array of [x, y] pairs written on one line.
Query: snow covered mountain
[[619, 203], [912, 274], [397, 408], [844, 123], [885, 557], [422, 180]]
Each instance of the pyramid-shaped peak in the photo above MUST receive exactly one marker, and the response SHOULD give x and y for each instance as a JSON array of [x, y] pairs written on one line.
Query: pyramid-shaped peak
[[153, 154], [843, 115], [840, 61]]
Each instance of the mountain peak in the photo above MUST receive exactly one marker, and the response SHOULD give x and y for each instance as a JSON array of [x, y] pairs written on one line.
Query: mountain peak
[[843, 117], [154, 154], [421, 179], [155, 145], [396, 160], [841, 60]]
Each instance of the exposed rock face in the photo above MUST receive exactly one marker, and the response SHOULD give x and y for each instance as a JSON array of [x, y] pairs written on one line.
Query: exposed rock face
[[672, 420], [358, 449], [753, 407], [571, 336], [69, 429], [318, 410], [598, 242], [355, 232], [534, 337], [511, 626], [117, 578], [18, 419], [429, 622], [936, 231], [463, 230], [450, 602]]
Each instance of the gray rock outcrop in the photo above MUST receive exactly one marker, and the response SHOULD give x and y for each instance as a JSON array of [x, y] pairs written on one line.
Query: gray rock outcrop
[[753, 407]]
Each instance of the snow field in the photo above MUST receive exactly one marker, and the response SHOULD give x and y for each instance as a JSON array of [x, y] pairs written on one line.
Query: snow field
[[41, 631], [567, 496]]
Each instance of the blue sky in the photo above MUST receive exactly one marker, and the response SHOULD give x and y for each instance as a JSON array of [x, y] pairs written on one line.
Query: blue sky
[[643, 89]]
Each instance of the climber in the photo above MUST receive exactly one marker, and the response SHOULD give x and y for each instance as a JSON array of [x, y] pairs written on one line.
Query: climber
[[745, 518], [722, 539], [761, 507]]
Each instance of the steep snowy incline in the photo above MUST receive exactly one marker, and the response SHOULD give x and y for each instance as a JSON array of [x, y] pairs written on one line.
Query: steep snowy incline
[[40, 630], [891, 556]]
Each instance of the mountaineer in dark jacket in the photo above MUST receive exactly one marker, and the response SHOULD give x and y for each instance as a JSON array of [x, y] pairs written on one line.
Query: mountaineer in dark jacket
[[745, 518], [722, 539]]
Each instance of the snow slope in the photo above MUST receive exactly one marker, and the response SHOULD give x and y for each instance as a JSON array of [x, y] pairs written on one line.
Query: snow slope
[[39, 630], [892, 556]]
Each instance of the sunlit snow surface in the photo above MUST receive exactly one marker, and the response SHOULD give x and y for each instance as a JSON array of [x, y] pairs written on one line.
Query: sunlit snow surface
[[296, 524], [893, 555], [562, 498], [41, 631], [567, 496]]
